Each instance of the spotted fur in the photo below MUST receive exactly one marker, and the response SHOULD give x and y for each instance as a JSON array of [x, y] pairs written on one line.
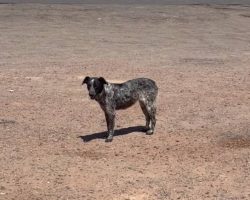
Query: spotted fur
[[112, 97]]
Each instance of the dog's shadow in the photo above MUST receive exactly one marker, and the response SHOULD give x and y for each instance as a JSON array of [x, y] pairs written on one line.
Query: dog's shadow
[[118, 132]]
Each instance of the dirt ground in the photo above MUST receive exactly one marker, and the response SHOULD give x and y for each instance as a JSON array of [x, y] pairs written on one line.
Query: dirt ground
[[52, 135]]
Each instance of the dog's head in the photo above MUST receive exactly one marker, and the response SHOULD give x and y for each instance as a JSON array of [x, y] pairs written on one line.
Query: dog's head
[[95, 85]]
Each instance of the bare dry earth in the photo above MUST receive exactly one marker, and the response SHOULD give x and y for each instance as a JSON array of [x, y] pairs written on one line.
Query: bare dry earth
[[51, 135]]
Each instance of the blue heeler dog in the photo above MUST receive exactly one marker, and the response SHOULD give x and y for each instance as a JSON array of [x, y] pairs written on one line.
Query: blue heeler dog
[[112, 97]]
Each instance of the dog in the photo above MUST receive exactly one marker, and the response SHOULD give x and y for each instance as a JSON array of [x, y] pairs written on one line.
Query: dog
[[113, 96]]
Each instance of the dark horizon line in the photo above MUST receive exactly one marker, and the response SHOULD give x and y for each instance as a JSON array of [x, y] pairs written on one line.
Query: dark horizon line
[[132, 2]]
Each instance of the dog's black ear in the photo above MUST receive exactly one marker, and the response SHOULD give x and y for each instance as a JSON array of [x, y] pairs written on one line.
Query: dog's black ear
[[86, 80], [102, 80]]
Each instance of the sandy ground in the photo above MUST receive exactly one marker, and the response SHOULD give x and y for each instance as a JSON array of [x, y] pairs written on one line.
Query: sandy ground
[[51, 135]]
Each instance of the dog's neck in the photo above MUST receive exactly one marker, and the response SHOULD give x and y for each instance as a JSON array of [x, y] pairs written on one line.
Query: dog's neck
[[100, 98]]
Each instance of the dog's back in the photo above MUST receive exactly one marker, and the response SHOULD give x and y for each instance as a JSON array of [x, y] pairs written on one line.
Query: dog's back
[[127, 93], [142, 85]]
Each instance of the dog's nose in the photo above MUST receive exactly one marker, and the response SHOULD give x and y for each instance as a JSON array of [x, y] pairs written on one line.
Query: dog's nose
[[91, 96]]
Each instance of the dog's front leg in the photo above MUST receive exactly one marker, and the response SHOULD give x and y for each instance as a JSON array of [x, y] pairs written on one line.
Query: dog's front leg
[[110, 119]]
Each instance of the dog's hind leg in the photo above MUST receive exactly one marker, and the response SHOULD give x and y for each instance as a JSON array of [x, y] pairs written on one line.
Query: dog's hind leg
[[152, 112], [145, 112], [149, 110]]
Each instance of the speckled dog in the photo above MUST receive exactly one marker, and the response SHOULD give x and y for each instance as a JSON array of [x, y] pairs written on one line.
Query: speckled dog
[[112, 96]]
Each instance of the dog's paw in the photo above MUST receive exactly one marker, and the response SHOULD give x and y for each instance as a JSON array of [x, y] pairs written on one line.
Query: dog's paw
[[149, 132], [109, 140], [144, 129]]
